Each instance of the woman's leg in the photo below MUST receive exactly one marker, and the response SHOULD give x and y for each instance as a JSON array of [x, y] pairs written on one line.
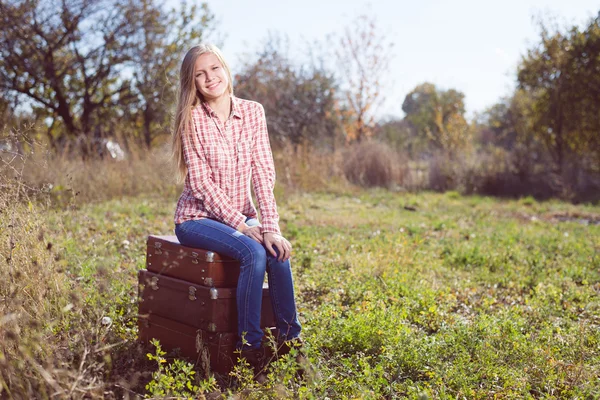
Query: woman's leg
[[214, 236], [281, 288]]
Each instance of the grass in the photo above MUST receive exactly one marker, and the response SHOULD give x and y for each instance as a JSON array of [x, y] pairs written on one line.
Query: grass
[[401, 296]]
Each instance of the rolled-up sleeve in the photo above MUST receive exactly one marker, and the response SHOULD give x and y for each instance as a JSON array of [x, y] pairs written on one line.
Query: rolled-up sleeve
[[263, 173], [215, 201]]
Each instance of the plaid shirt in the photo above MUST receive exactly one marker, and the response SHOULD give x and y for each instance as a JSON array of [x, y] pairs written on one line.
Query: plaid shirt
[[222, 159]]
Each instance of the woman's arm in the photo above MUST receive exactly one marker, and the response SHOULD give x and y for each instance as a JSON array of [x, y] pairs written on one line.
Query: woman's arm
[[263, 174], [263, 180], [215, 200]]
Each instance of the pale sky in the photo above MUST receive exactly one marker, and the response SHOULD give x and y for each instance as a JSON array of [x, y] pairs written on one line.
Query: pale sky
[[473, 46]]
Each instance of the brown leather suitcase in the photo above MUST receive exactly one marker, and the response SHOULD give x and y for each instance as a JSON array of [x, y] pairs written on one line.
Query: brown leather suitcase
[[166, 256], [218, 348], [208, 308]]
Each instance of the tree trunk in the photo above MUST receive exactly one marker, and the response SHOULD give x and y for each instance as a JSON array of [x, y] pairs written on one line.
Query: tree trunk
[[147, 123]]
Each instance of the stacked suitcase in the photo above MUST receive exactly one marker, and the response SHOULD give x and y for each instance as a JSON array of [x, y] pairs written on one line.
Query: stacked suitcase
[[187, 302]]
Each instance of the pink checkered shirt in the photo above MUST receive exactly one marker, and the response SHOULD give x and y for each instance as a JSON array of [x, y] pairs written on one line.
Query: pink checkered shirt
[[222, 159]]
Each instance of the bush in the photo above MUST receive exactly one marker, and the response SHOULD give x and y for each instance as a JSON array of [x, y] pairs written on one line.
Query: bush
[[372, 163]]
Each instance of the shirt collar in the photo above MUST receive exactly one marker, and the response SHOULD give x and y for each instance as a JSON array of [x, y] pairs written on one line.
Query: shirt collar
[[235, 108]]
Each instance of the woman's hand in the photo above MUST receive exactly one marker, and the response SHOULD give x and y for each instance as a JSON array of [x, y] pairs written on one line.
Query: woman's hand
[[253, 232], [272, 240]]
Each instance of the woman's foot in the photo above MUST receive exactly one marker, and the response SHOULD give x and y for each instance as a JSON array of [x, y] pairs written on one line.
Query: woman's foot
[[257, 359], [301, 359]]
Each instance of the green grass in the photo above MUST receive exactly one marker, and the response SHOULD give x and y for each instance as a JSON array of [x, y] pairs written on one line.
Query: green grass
[[401, 295]]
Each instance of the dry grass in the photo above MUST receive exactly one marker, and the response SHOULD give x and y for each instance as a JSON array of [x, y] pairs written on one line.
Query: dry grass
[[36, 293], [100, 179], [372, 163], [53, 343]]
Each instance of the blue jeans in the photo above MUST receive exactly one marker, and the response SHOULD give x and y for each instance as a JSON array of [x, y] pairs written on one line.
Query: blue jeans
[[254, 260]]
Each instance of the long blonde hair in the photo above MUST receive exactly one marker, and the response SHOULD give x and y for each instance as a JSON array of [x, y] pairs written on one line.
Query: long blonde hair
[[189, 97]]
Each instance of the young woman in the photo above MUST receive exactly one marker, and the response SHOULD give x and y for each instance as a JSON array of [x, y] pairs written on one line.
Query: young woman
[[221, 145]]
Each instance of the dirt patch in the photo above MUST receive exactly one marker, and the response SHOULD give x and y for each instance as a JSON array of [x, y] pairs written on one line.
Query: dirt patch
[[582, 218]]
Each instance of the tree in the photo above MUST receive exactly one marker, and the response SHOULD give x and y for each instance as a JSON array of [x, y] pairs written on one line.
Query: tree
[[438, 117], [398, 134], [508, 124], [162, 38], [67, 57], [562, 75], [363, 57], [92, 66], [300, 102]]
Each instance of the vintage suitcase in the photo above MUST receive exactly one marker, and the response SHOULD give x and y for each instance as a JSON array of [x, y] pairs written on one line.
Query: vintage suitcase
[[208, 308], [219, 348], [166, 256]]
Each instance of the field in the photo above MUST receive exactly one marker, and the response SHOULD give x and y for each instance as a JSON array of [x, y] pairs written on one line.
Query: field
[[401, 295]]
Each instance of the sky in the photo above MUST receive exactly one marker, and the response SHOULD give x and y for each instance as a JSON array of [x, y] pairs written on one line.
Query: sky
[[473, 46]]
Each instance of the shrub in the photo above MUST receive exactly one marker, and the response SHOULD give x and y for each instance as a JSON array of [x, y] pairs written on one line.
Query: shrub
[[371, 163]]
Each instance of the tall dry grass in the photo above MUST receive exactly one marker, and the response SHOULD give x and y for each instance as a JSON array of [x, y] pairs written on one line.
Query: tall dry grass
[[496, 172], [372, 163], [53, 343], [64, 177], [36, 294], [67, 179]]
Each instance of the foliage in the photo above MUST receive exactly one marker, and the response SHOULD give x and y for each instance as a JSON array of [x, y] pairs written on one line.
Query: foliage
[[508, 125], [88, 66], [398, 134], [300, 103], [438, 118], [162, 37], [562, 75], [71, 72], [362, 57], [175, 379]]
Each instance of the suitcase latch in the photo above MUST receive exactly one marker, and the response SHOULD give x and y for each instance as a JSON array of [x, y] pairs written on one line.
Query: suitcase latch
[[214, 293], [157, 248], [208, 281], [154, 283], [192, 293], [194, 257], [210, 256]]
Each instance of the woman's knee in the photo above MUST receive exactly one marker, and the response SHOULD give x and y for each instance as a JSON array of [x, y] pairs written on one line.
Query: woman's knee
[[275, 265], [254, 255]]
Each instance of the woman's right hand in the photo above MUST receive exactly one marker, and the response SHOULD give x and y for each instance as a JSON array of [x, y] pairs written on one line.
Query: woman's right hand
[[254, 232]]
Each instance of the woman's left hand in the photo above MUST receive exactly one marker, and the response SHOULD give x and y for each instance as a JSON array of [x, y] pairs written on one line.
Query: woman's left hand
[[272, 240]]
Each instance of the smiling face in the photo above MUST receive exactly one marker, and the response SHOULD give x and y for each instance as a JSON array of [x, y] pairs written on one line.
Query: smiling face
[[210, 77]]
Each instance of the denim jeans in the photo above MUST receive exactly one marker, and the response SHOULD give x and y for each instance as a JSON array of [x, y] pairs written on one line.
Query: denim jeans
[[254, 260]]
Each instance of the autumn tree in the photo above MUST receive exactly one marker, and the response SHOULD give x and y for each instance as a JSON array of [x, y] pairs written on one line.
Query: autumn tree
[[363, 58], [438, 116], [562, 75]]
